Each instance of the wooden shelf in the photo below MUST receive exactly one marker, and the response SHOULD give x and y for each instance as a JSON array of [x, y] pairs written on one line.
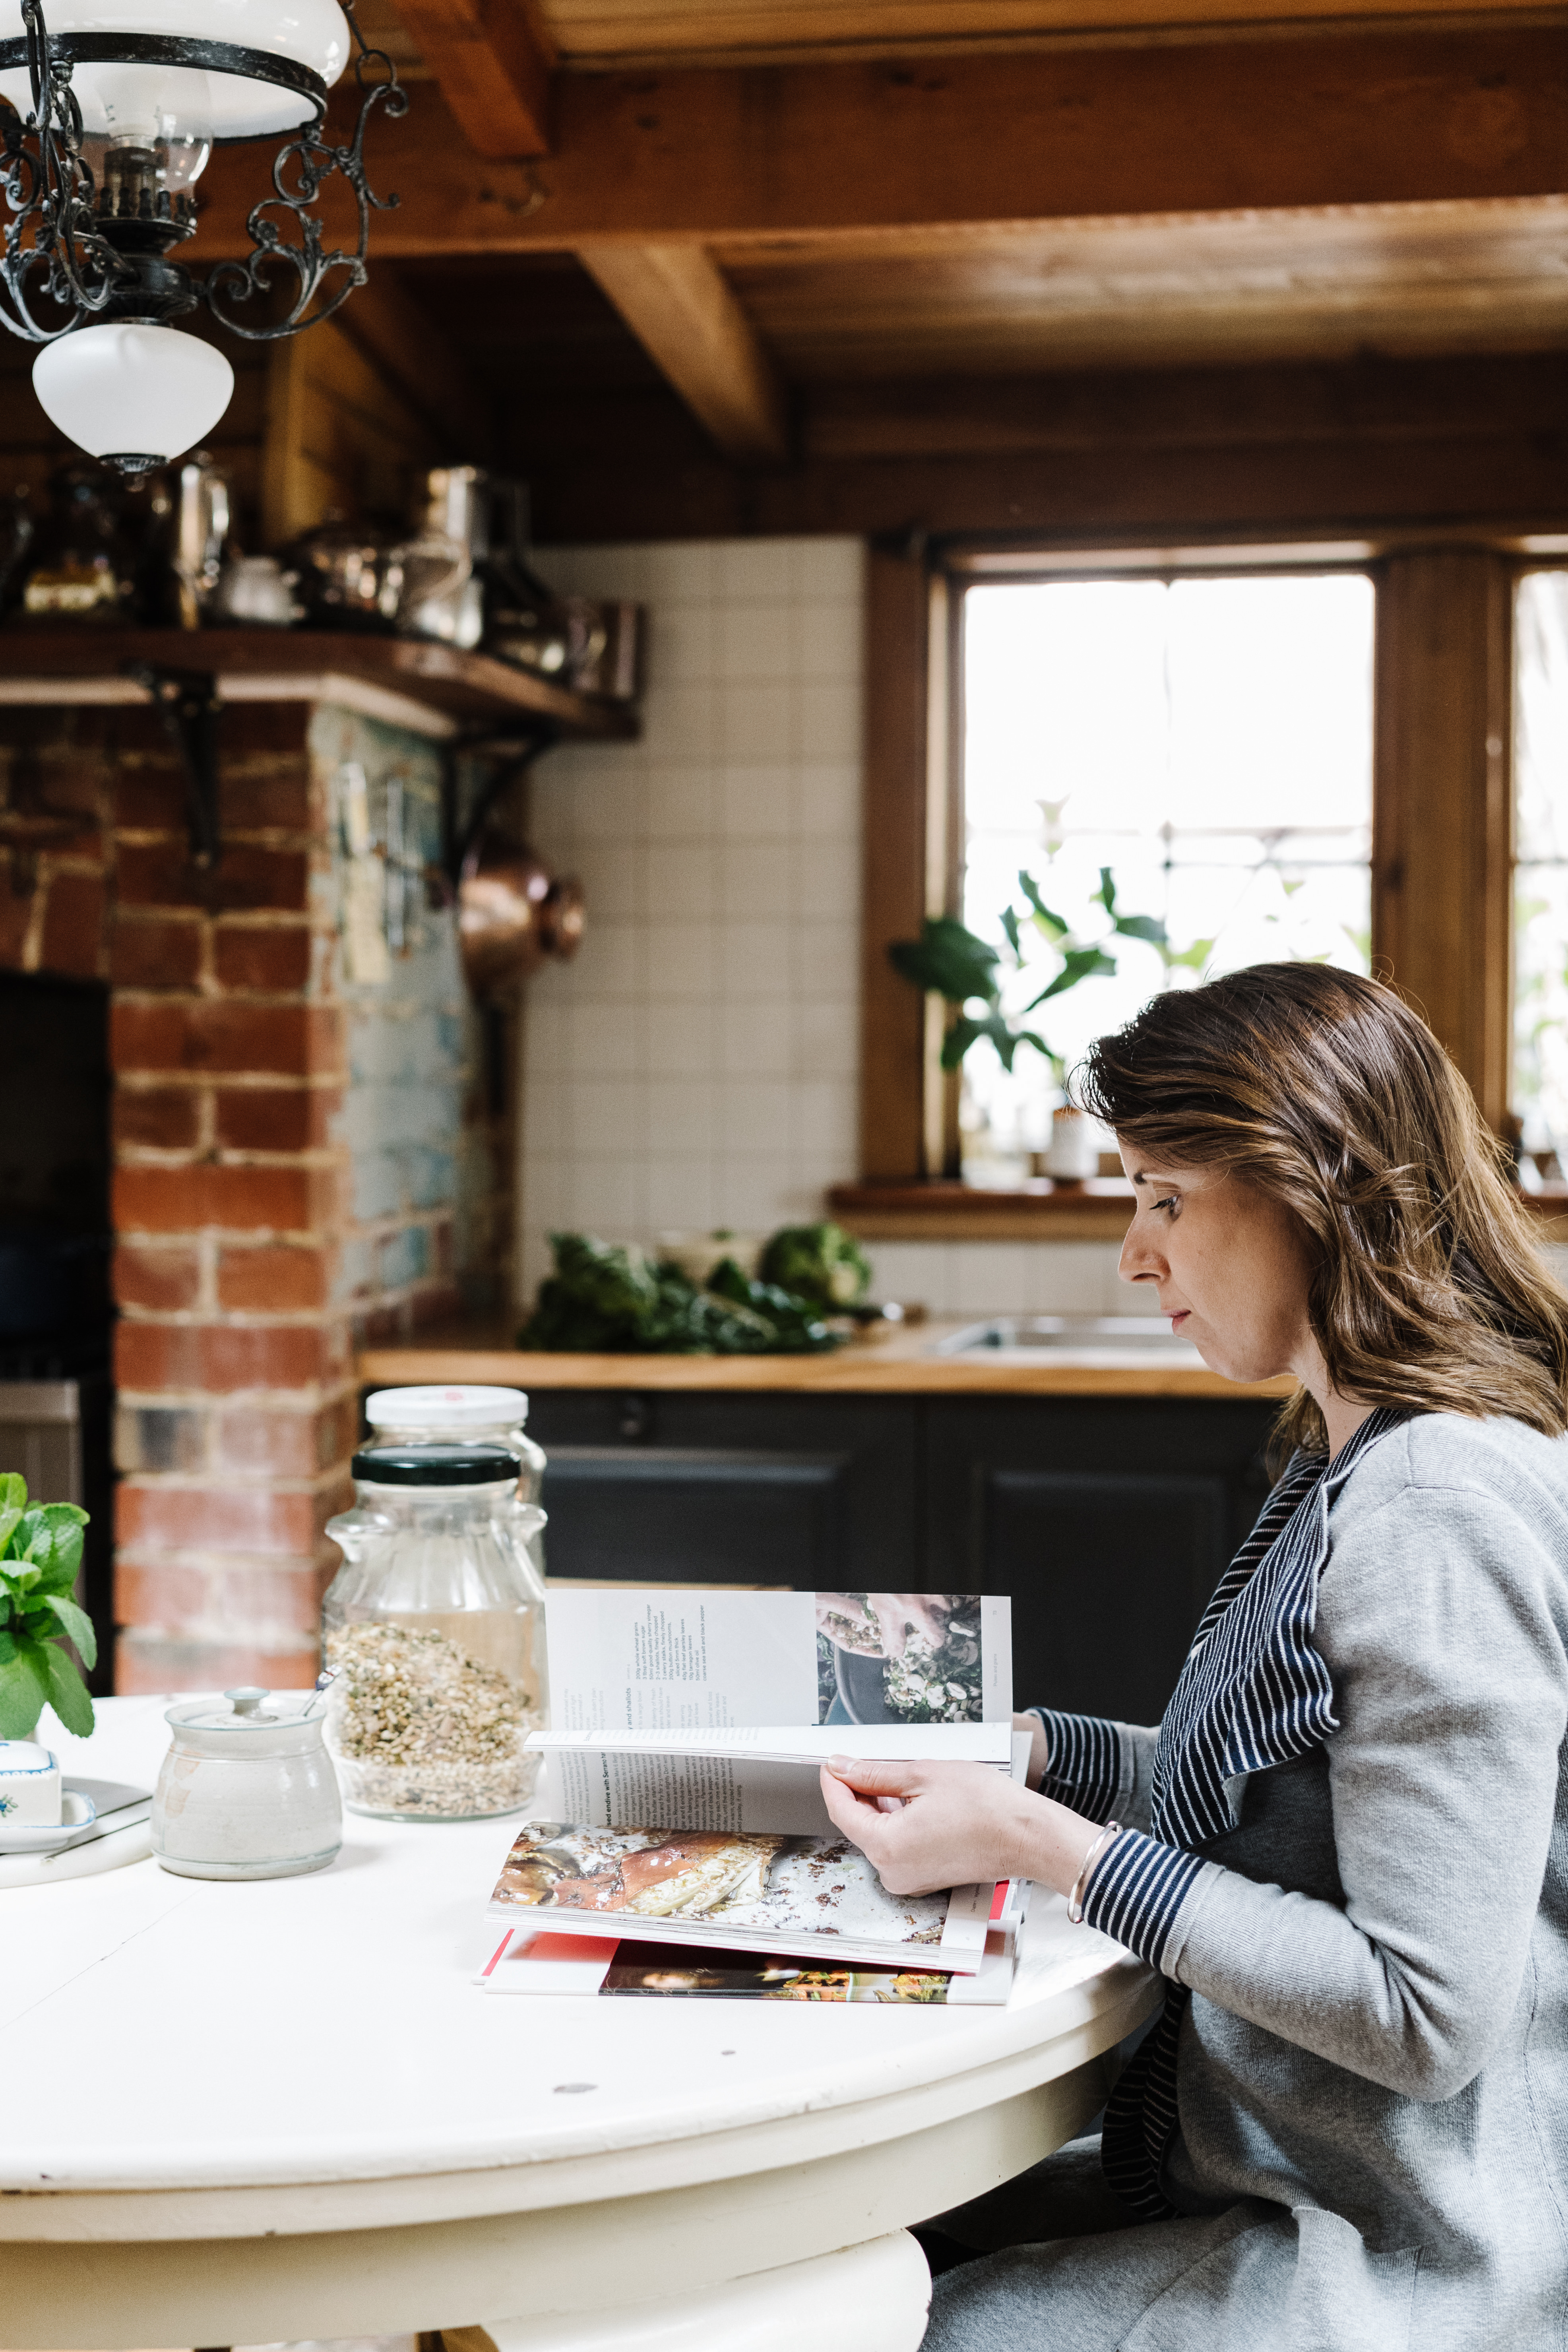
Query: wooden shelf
[[89, 664]]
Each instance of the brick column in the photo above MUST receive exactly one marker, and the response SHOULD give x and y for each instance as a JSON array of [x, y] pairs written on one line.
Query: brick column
[[236, 1409]]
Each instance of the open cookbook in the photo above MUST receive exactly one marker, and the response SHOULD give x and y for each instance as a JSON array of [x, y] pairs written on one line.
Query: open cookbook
[[711, 1714]]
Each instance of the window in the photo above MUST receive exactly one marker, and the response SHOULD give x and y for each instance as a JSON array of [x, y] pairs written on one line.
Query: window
[[1540, 1089], [1207, 739]]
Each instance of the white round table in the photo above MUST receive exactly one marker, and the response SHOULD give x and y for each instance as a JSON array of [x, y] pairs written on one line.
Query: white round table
[[277, 2111]]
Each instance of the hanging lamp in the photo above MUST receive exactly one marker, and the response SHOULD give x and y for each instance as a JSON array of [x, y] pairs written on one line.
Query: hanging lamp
[[114, 108]]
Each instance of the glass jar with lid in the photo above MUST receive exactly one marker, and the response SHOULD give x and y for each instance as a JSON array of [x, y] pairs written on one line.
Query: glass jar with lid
[[433, 1628]]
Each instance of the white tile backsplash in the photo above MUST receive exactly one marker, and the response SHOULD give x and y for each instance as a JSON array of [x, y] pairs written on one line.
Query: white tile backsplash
[[698, 1064]]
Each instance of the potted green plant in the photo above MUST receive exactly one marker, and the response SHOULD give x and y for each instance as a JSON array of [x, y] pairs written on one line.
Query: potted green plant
[[949, 960], [40, 1559]]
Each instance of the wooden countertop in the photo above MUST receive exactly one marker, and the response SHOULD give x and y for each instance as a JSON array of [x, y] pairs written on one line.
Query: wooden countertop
[[903, 1365]]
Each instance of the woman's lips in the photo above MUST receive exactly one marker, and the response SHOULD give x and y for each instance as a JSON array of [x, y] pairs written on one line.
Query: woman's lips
[[1179, 1318]]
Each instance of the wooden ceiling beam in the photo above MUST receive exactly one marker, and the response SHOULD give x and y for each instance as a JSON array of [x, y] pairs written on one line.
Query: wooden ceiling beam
[[687, 318], [494, 60], [1369, 118]]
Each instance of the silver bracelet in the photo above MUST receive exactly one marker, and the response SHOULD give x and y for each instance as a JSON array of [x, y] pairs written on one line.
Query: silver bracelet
[[1111, 1831]]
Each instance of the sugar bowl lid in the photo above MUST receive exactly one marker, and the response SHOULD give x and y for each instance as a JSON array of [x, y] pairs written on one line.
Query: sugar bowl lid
[[244, 1714], [435, 1465]]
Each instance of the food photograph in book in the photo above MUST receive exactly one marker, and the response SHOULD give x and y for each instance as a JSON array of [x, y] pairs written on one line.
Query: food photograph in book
[[664, 1972], [747, 1882], [899, 1657]]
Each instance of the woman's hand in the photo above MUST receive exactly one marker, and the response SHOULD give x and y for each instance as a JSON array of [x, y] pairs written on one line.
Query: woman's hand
[[926, 1826]]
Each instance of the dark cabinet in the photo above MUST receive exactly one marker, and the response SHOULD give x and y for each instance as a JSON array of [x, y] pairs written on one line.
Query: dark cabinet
[[665, 1486], [1107, 1520]]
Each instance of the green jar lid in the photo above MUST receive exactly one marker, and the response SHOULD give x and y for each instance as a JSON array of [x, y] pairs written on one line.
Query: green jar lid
[[435, 1465]]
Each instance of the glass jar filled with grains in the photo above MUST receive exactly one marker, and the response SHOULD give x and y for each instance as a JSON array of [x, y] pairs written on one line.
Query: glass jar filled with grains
[[433, 1628]]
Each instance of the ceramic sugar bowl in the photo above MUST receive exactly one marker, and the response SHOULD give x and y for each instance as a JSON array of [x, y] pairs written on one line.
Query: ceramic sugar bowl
[[246, 1791]]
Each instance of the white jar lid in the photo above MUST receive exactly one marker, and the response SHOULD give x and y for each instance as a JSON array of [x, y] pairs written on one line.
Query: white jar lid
[[446, 1408]]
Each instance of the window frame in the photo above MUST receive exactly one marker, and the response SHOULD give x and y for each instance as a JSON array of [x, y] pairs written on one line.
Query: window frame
[[1442, 824]]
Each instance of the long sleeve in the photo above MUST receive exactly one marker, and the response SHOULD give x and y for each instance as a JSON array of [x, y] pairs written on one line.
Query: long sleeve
[[1103, 1770], [1439, 1620]]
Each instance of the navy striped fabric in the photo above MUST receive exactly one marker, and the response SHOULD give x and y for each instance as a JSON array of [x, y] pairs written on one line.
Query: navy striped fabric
[[1254, 1693], [1084, 1763]]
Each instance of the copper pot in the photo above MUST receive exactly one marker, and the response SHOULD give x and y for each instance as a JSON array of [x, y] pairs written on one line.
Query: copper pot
[[513, 915]]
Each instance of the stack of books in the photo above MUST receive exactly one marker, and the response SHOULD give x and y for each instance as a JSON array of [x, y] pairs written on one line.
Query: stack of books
[[710, 1714]]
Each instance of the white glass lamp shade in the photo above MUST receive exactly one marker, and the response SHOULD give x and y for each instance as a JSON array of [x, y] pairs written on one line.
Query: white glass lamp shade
[[130, 390], [313, 33]]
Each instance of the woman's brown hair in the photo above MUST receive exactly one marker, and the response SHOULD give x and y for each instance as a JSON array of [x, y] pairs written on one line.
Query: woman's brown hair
[[1328, 1092]]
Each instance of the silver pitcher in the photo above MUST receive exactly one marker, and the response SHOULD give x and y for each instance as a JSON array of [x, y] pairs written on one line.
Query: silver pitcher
[[202, 518]]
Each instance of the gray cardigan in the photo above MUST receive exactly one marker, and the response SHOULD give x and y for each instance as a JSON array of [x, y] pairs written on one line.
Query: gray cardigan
[[1372, 2074]]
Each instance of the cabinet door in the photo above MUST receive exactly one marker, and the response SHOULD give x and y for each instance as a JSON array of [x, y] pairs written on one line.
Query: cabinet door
[[694, 1515], [723, 1488], [1108, 1523]]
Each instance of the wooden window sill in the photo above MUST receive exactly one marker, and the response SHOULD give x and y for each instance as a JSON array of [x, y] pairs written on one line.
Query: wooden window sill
[[1098, 1209]]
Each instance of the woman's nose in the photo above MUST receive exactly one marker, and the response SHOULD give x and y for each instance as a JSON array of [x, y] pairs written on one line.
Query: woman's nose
[[1139, 1262]]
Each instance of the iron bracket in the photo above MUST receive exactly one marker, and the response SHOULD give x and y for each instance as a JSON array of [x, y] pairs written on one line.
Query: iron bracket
[[188, 702], [509, 754]]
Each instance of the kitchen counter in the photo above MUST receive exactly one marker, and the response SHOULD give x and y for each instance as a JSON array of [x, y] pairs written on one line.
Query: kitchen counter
[[902, 1365]]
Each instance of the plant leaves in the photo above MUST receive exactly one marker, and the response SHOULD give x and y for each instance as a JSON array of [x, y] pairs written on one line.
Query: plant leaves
[[1079, 963], [1106, 893], [948, 960], [967, 1031], [1052, 924], [1191, 959], [62, 1564], [13, 1498], [1010, 926], [24, 1689], [1142, 926], [68, 1693], [77, 1625]]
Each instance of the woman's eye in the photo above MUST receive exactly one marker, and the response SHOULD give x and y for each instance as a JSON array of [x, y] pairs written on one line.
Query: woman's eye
[[1171, 1201]]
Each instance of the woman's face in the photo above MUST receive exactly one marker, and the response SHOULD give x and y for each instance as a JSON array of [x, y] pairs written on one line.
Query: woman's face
[[1230, 1266]]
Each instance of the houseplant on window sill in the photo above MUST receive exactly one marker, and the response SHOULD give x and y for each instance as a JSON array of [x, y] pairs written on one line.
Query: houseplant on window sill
[[40, 1559]]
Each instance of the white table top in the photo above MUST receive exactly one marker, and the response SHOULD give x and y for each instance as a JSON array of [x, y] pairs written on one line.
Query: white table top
[[176, 2035]]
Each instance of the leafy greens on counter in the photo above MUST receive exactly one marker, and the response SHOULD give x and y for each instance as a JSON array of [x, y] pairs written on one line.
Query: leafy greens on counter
[[610, 1298]]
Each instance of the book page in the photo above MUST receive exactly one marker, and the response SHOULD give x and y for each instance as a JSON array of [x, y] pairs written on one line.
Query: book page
[[680, 1661], [762, 1777], [785, 1893], [696, 1658]]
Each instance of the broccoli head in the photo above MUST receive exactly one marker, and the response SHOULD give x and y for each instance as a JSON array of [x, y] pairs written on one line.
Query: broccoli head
[[821, 1264]]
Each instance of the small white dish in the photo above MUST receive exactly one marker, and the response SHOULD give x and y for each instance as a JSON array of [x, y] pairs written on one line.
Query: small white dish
[[29, 1785], [77, 1813]]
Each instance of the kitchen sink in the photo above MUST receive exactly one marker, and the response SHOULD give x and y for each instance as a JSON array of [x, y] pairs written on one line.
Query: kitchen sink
[[1035, 1338]]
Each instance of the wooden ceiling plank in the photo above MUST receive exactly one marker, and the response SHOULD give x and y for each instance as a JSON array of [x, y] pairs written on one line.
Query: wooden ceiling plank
[[629, 36], [1377, 117], [683, 311], [494, 60], [400, 339]]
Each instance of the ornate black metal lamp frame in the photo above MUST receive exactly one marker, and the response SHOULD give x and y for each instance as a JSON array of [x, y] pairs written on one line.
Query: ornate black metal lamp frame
[[101, 252]]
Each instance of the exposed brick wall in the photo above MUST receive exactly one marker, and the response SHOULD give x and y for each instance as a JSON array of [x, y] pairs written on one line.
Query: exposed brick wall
[[235, 1407], [291, 1153]]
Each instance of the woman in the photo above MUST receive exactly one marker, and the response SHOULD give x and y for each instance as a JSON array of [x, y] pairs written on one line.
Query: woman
[[1346, 1849]]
